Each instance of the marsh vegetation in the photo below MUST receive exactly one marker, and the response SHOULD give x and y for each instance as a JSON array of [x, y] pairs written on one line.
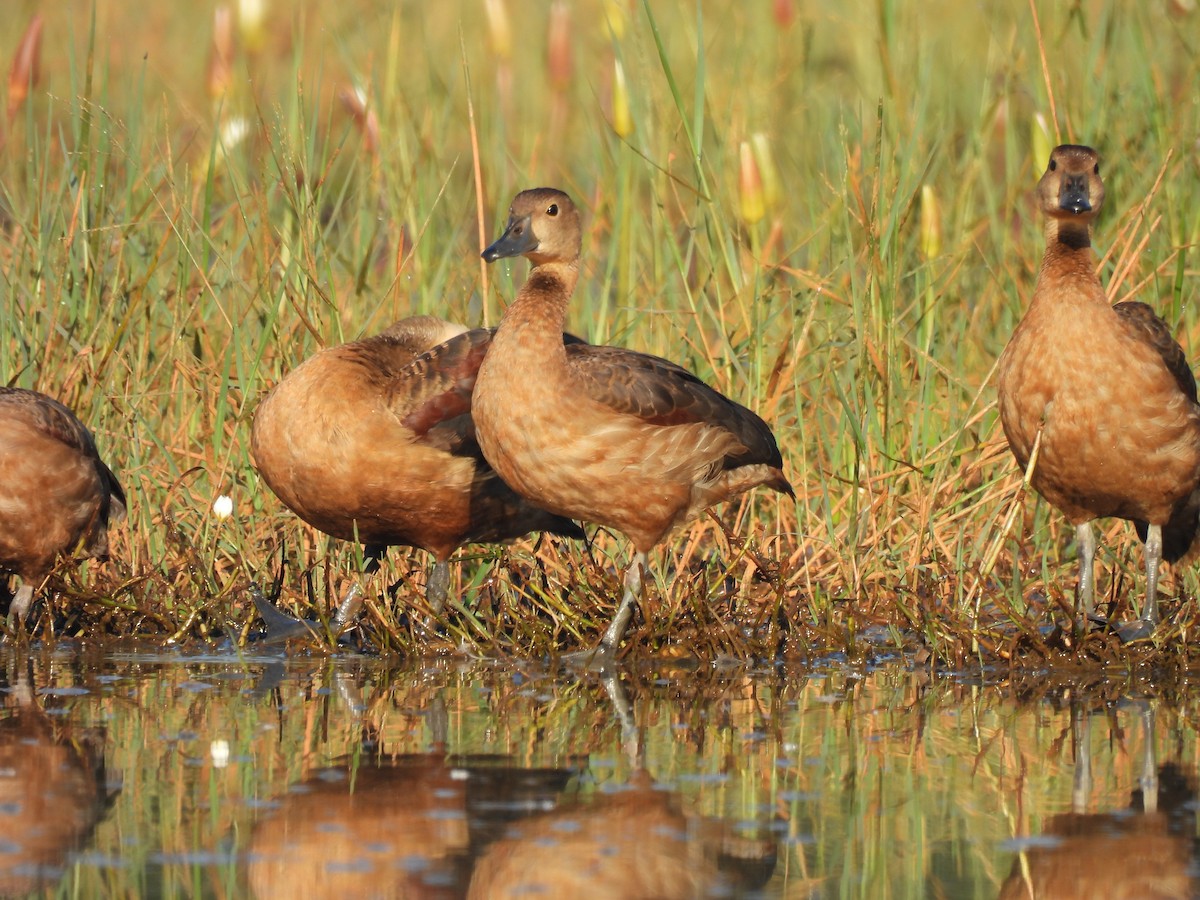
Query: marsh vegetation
[[822, 211]]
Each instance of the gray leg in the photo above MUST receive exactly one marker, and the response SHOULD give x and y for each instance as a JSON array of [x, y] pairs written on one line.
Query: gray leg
[[437, 588], [1149, 777], [1153, 553], [600, 656], [348, 609], [351, 605], [19, 608], [1086, 539], [1081, 732], [630, 736], [280, 625], [633, 593]]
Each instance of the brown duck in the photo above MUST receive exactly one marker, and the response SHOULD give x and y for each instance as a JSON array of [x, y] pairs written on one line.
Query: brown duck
[[56, 495], [372, 441], [1108, 388], [602, 434]]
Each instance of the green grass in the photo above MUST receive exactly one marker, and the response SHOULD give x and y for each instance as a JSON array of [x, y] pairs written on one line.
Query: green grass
[[160, 281]]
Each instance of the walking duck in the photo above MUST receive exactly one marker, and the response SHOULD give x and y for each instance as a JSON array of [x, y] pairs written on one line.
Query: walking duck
[[1109, 390], [56, 495], [372, 441], [602, 434]]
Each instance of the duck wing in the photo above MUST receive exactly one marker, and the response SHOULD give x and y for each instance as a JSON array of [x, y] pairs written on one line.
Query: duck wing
[[660, 392], [432, 394], [1180, 533], [57, 422], [1149, 327]]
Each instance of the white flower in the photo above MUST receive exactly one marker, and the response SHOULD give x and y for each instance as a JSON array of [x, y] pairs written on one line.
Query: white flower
[[233, 132], [219, 751], [223, 507]]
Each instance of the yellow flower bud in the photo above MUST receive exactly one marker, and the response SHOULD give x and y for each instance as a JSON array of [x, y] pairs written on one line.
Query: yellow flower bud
[[766, 169], [499, 28], [750, 186], [622, 120], [931, 223], [1041, 143], [614, 17]]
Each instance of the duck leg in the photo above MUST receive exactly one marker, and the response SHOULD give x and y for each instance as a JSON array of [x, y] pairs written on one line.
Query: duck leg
[[437, 587], [282, 627], [1142, 629], [1086, 538], [603, 653], [1153, 554], [351, 605], [19, 608], [633, 592]]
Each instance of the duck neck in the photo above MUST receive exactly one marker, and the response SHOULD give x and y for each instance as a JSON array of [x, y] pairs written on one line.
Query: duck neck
[[1068, 257], [542, 300]]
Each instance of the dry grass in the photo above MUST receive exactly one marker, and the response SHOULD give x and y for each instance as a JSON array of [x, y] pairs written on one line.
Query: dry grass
[[838, 236]]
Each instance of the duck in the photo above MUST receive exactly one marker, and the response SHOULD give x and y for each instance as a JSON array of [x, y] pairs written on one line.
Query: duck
[[57, 496], [1146, 849], [602, 434], [1104, 392], [637, 839], [392, 825], [372, 441]]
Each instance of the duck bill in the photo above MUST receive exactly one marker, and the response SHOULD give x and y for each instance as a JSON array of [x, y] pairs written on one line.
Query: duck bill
[[517, 240], [1074, 199]]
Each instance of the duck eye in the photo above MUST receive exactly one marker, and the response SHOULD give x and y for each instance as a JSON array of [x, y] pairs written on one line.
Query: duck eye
[[1097, 169], [552, 210], [1053, 164]]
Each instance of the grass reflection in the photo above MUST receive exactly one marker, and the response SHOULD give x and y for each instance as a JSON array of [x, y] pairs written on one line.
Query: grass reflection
[[838, 782]]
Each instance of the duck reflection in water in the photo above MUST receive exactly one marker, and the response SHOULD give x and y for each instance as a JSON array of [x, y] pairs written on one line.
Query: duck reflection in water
[[634, 840], [437, 826], [392, 827], [53, 792], [1145, 852]]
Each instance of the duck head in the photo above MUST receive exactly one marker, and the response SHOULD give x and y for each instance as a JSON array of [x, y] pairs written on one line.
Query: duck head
[[1071, 186], [543, 226]]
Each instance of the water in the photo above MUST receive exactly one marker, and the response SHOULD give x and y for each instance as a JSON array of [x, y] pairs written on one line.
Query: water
[[151, 774]]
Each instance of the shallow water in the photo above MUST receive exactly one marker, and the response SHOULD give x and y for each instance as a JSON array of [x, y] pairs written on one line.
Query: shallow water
[[132, 774]]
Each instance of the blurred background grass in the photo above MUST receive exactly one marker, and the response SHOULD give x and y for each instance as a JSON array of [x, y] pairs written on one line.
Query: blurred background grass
[[822, 209]]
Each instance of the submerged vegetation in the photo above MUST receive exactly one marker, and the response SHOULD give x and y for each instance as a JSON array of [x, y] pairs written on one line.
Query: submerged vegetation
[[826, 216]]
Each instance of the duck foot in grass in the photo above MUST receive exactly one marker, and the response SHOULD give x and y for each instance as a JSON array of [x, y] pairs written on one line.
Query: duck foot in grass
[[1135, 631], [600, 658], [604, 654], [280, 626], [1141, 629], [283, 627]]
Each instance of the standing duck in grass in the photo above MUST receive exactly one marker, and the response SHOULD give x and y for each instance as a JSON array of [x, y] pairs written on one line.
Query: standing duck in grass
[[372, 441], [1107, 388], [601, 434], [56, 494]]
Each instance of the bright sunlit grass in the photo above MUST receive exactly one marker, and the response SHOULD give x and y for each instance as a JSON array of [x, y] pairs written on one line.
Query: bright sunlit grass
[[822, 209]]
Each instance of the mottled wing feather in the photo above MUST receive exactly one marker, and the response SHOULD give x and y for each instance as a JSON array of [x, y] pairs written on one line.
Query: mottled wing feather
[[57, 422], [1179, 534], [663, 393], [51, 418], [1154, 331], [432, 393]]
